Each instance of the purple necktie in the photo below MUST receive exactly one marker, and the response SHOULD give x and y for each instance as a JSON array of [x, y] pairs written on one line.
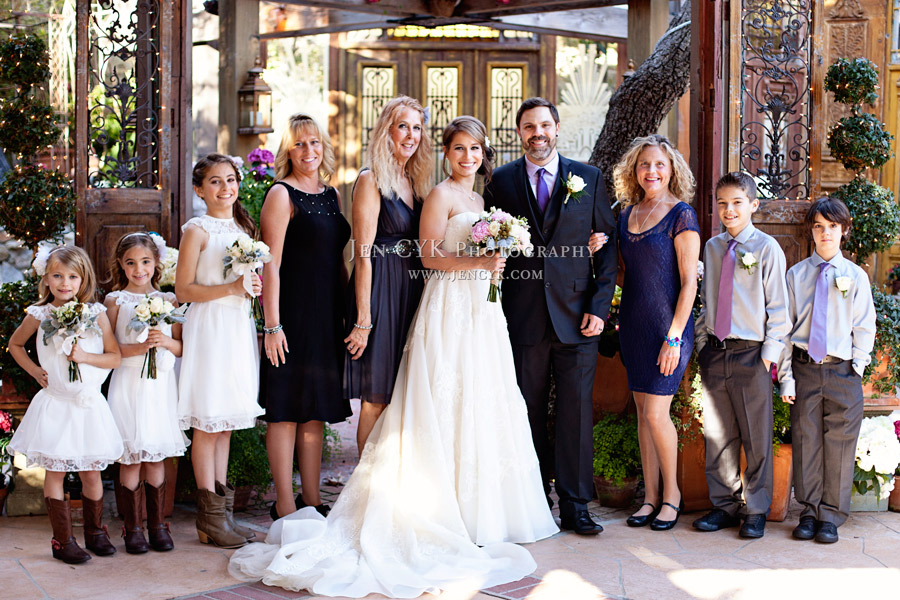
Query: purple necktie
[[726, 290], [543, 194], [818, 329]]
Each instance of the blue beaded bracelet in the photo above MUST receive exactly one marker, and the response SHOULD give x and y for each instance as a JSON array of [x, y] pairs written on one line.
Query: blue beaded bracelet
[[675, 342]]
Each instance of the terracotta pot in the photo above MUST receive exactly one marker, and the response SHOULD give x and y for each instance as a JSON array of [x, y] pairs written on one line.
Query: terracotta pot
[[242, 497], [692, 469], [611, 393], [613, 495], [873, 397], [894, 500], [11, 400]]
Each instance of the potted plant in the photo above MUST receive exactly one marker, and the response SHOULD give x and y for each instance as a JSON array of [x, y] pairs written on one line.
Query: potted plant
[[256, 180], [882, 375], [18, 386], [877, 459], [893, 278], [783, 454], [6, 476], [617, 459], [248, 465], [894, 500], [610, 392]]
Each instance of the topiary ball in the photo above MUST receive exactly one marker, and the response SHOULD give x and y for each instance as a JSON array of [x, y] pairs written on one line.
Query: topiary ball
[[35, 204], [24, 61], [26, 125], [876, 217], [860, 141], [853, 81]]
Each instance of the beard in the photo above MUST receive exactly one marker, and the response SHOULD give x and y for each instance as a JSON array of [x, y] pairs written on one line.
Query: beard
[[542, 153]]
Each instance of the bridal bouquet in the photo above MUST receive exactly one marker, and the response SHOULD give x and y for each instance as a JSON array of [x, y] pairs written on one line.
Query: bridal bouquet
[[67, 324], [877, 457], [498, 231], [148, 314], [245, 257]]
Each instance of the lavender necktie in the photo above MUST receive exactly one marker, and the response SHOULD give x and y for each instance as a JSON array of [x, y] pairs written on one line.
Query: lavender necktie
[[726, 291], [818, 329], [543, 194]]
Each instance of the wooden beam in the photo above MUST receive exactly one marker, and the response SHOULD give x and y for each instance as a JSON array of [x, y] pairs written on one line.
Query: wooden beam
[[401, 8], [492, 8]]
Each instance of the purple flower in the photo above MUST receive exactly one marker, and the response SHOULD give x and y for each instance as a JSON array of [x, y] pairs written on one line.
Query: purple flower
[[897, 429], [261, 155], [480, 231]]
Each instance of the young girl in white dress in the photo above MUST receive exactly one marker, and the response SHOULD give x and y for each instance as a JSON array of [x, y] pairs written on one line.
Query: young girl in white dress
[[219, 380], [144, 408], [68, 425]]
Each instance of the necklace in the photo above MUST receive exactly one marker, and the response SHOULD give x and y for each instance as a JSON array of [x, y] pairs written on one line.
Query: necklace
[[644, 222], [472, 195]]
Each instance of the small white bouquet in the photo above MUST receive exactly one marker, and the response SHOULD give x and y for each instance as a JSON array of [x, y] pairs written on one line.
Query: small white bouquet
[[498, 231], [150, 313], [245, 257], [67, 324], [877, 457], [169, 265]]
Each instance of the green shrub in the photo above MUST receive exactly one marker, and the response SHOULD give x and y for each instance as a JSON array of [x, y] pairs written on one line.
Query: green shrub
[[860, 141], [35, 204], [876, 217], [26, 125], [887, 343], [24, 61], [14, 298], [248, 463], [617, 454], [852, 81]]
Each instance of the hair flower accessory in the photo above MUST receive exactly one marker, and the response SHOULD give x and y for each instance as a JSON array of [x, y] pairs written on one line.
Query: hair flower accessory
[[40, 259], [160, 244], [487, 142], [426, 117]]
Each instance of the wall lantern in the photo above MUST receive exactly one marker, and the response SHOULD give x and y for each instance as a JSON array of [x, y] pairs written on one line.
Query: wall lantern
[[255, 103]]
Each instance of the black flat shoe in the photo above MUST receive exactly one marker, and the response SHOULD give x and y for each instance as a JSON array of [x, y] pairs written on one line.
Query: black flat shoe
[[642, 520], [581, 523], [806, 530], [827, 533], [658, 525], [754, 526], [715, 520], [273, 512], [298, 501]]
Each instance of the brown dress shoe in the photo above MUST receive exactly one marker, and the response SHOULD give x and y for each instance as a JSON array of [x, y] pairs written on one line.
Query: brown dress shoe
[[65, 548]]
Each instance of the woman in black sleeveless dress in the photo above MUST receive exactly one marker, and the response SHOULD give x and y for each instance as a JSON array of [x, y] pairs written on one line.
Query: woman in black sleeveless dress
[[387, 277], [301, 370]]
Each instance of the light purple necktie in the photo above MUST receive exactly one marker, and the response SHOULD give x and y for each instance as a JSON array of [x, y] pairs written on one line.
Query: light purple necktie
[[543, 194], [818, 329], [726, 291]]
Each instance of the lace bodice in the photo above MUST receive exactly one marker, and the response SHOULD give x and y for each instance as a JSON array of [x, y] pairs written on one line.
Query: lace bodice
[[222, 234], [459, 227]]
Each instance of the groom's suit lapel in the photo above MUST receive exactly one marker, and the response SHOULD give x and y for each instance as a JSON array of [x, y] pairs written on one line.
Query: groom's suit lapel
[[528, 201], [552, 214]]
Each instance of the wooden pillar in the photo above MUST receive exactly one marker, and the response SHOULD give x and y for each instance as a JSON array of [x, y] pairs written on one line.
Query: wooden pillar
[[238, 49]]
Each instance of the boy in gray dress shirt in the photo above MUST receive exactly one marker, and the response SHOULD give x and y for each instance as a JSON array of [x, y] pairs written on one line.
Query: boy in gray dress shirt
[[821, 369], [740, 333]]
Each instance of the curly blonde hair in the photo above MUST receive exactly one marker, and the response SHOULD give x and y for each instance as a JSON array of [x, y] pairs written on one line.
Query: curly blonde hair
[[298, 125], [380, 154], [629, 191]]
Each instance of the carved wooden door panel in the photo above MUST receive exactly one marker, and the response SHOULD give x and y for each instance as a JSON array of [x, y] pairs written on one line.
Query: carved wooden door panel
[[132, 91]]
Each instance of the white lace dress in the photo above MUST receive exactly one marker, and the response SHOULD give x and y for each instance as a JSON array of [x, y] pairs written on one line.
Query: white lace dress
[[448, 478], [145, 409], [68, 425], [219, 379]]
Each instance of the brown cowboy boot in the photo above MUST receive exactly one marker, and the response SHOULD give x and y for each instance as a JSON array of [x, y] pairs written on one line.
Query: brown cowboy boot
[[157, 528], [228, 491], [212, 527], [96, 535], [135, 543], [65, 548]]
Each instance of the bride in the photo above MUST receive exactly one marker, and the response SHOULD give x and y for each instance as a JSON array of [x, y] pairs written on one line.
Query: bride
[[448, 482]]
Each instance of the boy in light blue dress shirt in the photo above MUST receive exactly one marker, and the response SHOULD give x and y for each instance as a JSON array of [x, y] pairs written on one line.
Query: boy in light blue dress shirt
[[821, 370], [740, 333]]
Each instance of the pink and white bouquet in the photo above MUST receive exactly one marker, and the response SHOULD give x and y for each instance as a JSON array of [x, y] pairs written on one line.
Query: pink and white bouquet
[[245, 257], [67, 324], [500, 232], [149, 314]]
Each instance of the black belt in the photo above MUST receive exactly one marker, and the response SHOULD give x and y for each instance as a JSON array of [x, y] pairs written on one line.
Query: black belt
[[402, 247], [730, 344], [802, 356]]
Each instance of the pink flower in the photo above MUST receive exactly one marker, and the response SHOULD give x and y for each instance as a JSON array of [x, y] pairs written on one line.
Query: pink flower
[[6, 422], [500, 216], [897, 429], [480, 231]]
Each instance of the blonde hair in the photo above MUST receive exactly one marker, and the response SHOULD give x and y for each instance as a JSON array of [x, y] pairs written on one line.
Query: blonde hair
[[128, 241], [629, 191], [297, 125], [77, 260], [380, 154]]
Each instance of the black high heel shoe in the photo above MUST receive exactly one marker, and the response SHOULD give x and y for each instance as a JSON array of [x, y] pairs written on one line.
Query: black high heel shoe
[[323, 509], [658, 525], [642, 520]]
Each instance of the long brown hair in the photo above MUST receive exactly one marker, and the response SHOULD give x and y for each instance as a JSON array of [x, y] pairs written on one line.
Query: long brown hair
[[76, 259], [477, 131], [128, 241], [240, 214]]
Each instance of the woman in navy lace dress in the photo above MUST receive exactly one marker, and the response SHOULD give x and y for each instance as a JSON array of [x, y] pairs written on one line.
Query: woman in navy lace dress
[[659, 243]]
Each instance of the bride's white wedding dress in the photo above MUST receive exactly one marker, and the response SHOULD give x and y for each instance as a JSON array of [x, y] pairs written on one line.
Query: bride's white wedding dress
[[448, 479]]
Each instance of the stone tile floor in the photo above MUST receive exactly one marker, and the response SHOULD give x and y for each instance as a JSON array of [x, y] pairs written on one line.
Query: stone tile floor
[[620, 563]]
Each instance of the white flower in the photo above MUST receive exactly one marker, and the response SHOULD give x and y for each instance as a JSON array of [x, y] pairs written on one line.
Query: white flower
[[156, 305], [878, 450], [40, 259], [843, 284], [142, 311], [494, 228], [700, 268], [160, 244], [487, 142], [574, 186], [168, 307], [748, 259], [245, 243], [262, 248]]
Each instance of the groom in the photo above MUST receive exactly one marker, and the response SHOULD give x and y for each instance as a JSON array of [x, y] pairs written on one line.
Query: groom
[[556, 300]]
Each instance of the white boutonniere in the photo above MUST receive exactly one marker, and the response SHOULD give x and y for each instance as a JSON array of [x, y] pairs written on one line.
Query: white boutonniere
[[748, 261], [843, 284], [574, 187]]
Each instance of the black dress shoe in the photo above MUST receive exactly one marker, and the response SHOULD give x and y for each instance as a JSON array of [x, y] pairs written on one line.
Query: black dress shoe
[[754, 526], [806, 530], [298, 501], [641, 520], [827, 533], [715, 520], [658, 525], [322, 509], [581, 523]]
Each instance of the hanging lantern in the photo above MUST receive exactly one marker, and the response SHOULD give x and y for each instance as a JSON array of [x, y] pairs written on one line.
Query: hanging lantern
[[255, 103]]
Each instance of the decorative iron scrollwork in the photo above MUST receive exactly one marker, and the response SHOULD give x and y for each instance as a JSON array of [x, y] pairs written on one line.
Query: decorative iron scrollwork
[[507, 94], [775, 59]]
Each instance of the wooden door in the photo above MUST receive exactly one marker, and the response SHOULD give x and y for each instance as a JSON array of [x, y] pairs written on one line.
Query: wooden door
[[132, 96]]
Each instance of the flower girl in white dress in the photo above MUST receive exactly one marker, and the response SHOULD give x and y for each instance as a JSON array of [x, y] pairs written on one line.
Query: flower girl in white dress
[[144, 407], [219, 380], [68, 425], [448, 482]]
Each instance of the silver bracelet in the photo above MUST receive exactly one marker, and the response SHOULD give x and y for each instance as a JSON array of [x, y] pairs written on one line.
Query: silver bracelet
[[276, 329], [358, 326]]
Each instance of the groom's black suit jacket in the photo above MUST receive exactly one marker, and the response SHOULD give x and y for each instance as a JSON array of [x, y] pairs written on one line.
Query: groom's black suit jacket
[[568, 285]]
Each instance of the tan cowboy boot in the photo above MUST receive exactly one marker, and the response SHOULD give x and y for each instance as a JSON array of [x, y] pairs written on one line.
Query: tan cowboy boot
[[228, 491], [212, 527], [157, 528], [96, 535], [65, 548], [135, 542]]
